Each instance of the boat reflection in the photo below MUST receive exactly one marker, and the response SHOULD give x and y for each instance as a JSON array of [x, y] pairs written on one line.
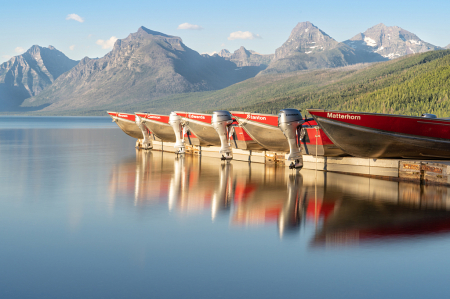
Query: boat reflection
[[336, 209]]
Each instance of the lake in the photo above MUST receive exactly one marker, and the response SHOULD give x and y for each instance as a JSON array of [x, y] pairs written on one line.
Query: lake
[[83, 214]]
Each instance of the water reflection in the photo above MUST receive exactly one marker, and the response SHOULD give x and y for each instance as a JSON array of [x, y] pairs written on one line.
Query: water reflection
[[344, 210]]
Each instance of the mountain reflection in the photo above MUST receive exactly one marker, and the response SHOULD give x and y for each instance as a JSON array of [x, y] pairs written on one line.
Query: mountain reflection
[[343, 210]]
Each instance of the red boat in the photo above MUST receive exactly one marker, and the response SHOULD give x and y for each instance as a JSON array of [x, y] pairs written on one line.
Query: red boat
[[376, 135], [199, 126], [159, 125], [264, 131], [127, 122]]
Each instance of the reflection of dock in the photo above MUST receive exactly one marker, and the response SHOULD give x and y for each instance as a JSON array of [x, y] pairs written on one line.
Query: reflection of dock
[[344, 209], [426, 172]]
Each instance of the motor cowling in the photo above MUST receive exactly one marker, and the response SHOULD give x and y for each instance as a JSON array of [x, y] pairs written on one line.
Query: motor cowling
[[176, 122], [221, 122], [429, 115], [147, 141], [290, 123]]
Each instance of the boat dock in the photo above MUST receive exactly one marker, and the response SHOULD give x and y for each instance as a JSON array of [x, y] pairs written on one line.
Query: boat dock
[[428, 172]]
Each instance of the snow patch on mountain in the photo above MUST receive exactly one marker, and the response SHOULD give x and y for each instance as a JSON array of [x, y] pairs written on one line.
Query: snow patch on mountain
[[370, 42], [415, 42]]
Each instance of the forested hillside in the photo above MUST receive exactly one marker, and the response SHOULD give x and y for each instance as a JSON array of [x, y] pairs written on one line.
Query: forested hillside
[[411, 85]]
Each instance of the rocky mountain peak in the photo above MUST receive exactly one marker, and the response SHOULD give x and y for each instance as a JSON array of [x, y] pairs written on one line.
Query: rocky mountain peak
[[389, 41], [224, 53], [306, 38], [145, 31], [146, 34], [242, 51], [448, 47], [28, 74]]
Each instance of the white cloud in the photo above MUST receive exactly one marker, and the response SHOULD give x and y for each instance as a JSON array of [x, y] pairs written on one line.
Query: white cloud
[[222, 45], [189, 26], [6, 57], [75, 17], [243, 35], [90, 35], [19, 50], [72, 47], [107, 44]]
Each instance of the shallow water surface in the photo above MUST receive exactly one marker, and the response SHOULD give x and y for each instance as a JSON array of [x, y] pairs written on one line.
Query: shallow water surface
[[85, 215]]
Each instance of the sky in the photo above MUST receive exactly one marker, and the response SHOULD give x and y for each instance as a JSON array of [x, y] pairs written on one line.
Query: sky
[[89, 28]]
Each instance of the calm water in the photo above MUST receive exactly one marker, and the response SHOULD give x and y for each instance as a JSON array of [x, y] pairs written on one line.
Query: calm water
[[85, 215]]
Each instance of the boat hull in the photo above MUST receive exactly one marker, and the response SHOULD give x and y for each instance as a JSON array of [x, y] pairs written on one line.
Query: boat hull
[[127, 123], [159, 126], [241, 140], [200, 126], [386, 136], [264, 130], [268, 137], [205, 133]]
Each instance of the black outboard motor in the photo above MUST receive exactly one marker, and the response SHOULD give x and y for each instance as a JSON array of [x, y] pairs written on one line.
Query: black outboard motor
[[290, 122], [221, 121]]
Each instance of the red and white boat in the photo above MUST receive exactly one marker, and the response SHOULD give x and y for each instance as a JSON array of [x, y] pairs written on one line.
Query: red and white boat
[[376, 135], [264, 131], [127, 122], [159, 125], [199, 127]]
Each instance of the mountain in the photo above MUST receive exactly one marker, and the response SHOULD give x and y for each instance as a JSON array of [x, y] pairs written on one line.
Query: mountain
[[144, 66], [409, 85], [26, 75], [390, 42], [243, 57], [448, 47], [308, 47], [306, 38], [224, 53]]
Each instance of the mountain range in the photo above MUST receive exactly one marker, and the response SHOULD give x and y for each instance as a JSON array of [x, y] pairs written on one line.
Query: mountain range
[[308, 47], [243, 57], [28, 74], [148, 66]]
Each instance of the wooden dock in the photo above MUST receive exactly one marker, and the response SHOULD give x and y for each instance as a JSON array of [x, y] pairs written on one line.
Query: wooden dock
[[426, 172]]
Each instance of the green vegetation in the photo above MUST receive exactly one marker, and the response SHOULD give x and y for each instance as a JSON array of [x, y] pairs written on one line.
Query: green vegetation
[[410, 85]]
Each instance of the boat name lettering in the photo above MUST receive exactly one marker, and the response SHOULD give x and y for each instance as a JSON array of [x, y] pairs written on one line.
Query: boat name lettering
[[256, 117], [343, 116], [123, 115], [196, 116], [154, 116]]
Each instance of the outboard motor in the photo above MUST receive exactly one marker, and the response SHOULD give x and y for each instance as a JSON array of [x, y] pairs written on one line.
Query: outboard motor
[[290, 122], [221, 121], [176, 123], [146, 142]]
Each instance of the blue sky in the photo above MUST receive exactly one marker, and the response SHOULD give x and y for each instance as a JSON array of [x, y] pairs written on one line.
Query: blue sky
[[269, 23]]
